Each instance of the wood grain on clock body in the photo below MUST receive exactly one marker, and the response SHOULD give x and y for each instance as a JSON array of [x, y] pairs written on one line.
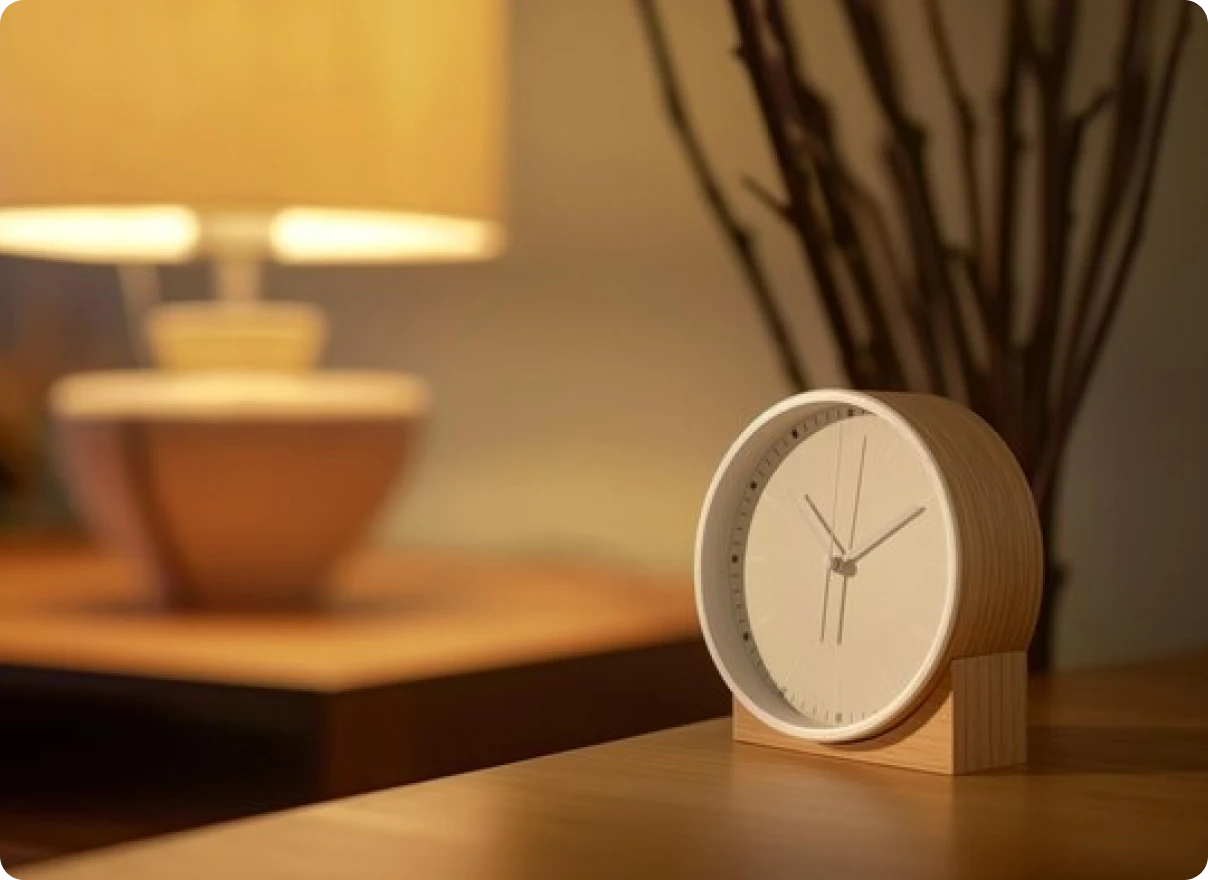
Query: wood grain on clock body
[[1000, 549]]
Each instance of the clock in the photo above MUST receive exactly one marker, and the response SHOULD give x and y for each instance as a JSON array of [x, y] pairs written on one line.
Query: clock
[[868, 577]]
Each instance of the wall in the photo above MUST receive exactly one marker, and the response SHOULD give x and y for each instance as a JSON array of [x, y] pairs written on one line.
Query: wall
[[589, 382]]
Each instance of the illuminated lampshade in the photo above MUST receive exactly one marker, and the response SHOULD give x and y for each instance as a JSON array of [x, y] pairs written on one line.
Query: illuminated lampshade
[[151, 131], [342, 131]]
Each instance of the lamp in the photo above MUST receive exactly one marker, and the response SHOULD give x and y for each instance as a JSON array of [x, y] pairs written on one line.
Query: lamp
[[302, 131]]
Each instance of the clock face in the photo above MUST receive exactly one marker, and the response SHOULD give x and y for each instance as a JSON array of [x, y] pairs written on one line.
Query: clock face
[[837, 569]]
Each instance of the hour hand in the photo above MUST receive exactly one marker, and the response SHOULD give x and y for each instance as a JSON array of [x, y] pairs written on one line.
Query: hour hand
[[835, 543]]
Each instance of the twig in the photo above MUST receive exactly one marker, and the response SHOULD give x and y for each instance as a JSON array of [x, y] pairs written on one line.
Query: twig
[[1094, 107], [814, 116], [979, 322], [972, 308], [911, 175], [932, 312], [741, 240], [767, 198], [1059, 146], [1005, 387], [1056, 230], [770, 98], [922, 345], [962, 109], [1130, 96], [1075, 393]]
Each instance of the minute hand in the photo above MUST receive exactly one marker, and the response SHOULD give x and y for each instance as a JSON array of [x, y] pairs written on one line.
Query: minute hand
[[900, 523]]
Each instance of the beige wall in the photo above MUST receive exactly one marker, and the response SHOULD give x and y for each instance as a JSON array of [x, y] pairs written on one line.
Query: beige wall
[[589, 382]]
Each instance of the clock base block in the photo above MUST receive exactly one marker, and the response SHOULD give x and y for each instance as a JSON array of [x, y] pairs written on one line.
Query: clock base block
[[975, 718]]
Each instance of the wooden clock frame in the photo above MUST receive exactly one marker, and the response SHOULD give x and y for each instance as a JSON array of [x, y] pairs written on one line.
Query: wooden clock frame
[[973, 714]]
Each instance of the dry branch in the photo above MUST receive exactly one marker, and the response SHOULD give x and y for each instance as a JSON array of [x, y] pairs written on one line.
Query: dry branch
[[1060, 142], [1130, 96], [952, 320], [908, 169], [1084, 364], [1005, 385], [769, 85], [966, 126], [741, 240], [813, 114]]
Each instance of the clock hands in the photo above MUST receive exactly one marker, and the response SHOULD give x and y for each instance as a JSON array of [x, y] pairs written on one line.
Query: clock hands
[[846, 571], [830, 560], [840, 560], [830, 533], [884, 535]]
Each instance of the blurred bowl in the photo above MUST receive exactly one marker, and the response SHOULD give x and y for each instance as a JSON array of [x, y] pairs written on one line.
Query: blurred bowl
[[238, 490]]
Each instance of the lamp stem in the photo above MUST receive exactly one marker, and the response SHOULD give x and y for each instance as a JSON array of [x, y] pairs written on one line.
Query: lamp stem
[[141, 291], [237, 279]]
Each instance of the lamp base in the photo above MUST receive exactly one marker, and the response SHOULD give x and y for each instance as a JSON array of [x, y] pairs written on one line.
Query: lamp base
[[236, 335]]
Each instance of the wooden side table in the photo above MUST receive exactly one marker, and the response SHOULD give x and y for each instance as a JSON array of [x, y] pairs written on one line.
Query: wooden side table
[[123, 720], [1117, 787]]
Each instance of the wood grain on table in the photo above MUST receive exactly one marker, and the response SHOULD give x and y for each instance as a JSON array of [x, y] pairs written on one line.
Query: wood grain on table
[[391, 617], [1117, 787], [119, 720]]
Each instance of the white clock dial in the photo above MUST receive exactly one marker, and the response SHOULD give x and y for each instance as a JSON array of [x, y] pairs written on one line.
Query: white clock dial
[[838, 570]]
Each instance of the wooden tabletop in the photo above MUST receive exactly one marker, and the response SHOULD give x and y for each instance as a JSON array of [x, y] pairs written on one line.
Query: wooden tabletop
[[1117, 787], [392, 617], [102, 693]]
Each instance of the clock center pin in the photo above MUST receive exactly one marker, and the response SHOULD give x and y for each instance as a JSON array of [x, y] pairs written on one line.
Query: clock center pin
[[844, 567]]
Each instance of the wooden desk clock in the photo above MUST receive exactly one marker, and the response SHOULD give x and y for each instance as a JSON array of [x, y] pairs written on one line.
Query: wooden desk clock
[[868, 577]]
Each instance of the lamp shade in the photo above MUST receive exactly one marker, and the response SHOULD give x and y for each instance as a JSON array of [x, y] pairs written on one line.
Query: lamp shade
[[304, 130]]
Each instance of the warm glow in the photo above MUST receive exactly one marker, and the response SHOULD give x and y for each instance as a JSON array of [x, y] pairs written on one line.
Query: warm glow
[[295, 235], [316, 131], [153, 234], [315, 235]]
